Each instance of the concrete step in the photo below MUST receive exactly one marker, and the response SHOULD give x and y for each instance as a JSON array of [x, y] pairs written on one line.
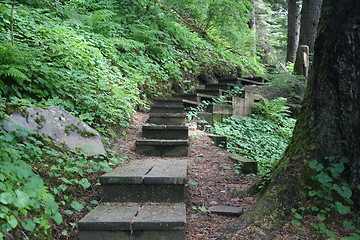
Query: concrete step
[[148, 180], [223, 86], [195, 97], [175, 101], [220, 108], [211, 92], [163, 148], [251, 82], [167, 118], [241, 81], [236, 81], [134, 222], [161, 108], [168, 132], [257, 79]]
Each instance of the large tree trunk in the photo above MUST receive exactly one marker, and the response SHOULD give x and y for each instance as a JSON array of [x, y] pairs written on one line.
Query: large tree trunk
[[328, 123], [293, 28], [310, 15]]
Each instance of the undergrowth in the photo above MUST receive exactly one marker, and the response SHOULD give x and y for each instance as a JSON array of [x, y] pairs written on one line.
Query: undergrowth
[[263, 137], [42, 183], [329, 201]]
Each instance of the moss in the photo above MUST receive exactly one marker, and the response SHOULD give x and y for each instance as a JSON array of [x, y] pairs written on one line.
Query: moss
[[40, 121], [82, 133]]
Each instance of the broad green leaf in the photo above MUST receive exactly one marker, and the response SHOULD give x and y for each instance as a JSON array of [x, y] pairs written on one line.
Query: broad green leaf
[[77, 206], [342, 209], [85, 183], [336, 169], [58, 218], [324, 179], [12, 221], [68, 212], [343, 191], [316, 165], [28, 225], [321, 217], [22, 200], [349, 225], [6, 197], [296, 222]]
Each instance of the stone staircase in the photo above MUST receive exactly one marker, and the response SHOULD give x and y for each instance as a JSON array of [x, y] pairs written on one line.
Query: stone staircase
[[145, 199]]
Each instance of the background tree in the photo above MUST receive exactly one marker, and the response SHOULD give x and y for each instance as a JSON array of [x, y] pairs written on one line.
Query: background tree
[[310, 15], [293, 28], [328, 122]]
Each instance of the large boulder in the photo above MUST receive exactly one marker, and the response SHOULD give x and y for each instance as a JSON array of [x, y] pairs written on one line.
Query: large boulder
[[59, 125]]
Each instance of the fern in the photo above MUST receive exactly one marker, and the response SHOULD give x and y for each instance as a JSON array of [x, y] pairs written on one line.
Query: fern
[[275, 110]]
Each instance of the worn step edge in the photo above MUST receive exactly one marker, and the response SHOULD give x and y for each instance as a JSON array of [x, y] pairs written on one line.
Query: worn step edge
[[153, 142], [165, 127], [135, 217], [148, 171], [168, 115]]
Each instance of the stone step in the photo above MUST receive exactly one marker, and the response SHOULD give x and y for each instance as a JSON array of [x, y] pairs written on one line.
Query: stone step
[[220, 108], [250, 82], [195, 97], [167, 118], [236, 81], [163, 148], [175, 101], [257, 79], [223, 86], [133, 221], [168, 132], [247, 165], [148, 180], [160, 108], [211, 92], [219, 141], [241, 81]]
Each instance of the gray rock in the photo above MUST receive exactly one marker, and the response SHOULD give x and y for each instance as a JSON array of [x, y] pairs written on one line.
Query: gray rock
[[59, 125], [227, 210]]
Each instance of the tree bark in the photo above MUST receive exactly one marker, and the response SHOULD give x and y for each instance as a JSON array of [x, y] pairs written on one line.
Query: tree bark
[[293, 28], [328, 124], [310, 15]]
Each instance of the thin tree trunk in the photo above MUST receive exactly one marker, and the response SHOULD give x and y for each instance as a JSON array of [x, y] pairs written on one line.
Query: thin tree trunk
[[12, 22], [293, 33], [310, 15]]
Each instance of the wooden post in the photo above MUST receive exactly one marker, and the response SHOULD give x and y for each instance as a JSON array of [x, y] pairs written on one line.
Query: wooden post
[[304, 62]]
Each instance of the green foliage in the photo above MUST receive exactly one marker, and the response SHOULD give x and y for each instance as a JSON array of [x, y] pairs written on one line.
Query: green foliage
[[284, 84], [330, 197], [263, 137], [271, 31], [278, 112], [38, 178], [100, 60], [256, 138]]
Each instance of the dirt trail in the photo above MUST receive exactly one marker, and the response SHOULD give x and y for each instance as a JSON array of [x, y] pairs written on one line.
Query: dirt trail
[[212, 177]]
